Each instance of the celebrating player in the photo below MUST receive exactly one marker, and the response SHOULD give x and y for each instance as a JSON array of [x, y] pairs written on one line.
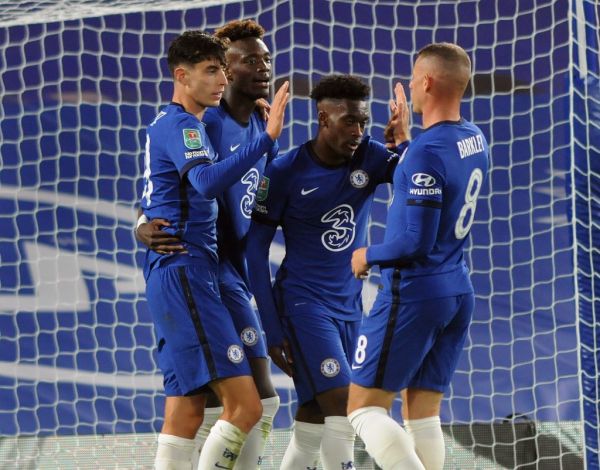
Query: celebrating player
[[230, 126], [321, 194], [198, 345], [415, 332]]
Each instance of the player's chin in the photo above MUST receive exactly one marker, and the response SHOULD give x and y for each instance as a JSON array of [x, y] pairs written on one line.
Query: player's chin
[[258, 94], [349, 149]]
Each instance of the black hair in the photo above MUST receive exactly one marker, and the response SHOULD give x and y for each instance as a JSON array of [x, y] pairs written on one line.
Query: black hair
[[340, 86], [240, 29], [195, 46]]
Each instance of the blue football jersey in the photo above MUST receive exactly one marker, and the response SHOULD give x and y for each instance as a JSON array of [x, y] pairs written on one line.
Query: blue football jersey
[[435, 196], [176, 142], [324, 212], [237, 201]]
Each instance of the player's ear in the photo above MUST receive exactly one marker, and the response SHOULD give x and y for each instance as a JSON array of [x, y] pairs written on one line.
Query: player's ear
[[180, 75], [322, 116], [427, 82]]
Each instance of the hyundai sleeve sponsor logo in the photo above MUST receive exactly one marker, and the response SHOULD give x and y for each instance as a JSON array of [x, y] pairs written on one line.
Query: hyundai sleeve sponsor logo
[[423, 180]]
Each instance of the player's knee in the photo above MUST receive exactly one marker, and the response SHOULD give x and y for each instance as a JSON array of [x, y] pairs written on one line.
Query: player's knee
[[244, 414], [182, 423]]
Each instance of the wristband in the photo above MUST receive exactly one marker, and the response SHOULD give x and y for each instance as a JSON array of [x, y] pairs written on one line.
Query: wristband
[[142, 220]]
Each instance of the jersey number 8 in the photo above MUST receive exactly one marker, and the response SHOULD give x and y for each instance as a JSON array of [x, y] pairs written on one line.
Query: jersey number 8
[[467, 212]]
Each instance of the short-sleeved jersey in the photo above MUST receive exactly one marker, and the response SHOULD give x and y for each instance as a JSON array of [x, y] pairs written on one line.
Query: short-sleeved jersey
[[176, 141], [236, 203], [324, 212], [444, 168]]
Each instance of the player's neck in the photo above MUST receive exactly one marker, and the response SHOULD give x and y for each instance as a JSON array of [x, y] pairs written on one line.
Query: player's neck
[[239, 106], [440, 113], [325, 154], [189, 104]]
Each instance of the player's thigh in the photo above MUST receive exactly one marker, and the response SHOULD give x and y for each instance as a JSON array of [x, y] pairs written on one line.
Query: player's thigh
[[440, 362], [197, 339], [320, 352]]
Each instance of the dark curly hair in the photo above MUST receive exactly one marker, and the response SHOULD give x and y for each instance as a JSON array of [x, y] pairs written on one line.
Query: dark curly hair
[[240, 29], [340, 86], [195, 46]]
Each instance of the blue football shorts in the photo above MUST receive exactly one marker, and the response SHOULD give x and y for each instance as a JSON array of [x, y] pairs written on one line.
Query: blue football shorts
[[236, 298], [197, 340], [411, 345], [321, 350]]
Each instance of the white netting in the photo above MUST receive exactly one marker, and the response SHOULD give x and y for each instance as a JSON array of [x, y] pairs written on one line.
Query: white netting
[[79, 81]]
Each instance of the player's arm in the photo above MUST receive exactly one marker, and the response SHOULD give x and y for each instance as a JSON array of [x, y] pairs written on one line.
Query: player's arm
[[415, 241], [271, 200], [418, 236], [260, 237], [212, 178], [150, 233]]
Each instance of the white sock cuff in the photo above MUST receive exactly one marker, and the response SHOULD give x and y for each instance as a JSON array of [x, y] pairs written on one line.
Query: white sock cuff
[[308, 428], [270, 406], [340, 425], [414, 425], [228, 431], [308, 435], [175, 441], [356, 416]]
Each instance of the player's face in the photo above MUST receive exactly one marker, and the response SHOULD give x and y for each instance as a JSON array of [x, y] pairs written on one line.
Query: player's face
[[205, 82], [416, 86], [346, 121], [249, 67]]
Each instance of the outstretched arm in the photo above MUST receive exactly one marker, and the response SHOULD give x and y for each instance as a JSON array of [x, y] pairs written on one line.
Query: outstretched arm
[[211, 179]]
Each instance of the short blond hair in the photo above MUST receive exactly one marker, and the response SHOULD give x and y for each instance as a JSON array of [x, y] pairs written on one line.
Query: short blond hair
[[452, 58]]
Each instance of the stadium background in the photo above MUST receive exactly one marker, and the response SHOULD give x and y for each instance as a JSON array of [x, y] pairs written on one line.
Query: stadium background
[[76, 347]]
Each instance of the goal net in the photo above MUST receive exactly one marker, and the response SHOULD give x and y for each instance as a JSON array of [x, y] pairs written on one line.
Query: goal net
[[79, 82]]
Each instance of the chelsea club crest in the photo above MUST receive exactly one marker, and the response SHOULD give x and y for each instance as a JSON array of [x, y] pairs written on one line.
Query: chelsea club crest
[[359, 178], [235, 354]]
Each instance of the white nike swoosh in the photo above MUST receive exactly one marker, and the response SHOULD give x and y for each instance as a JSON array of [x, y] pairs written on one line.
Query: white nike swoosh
[[233, 147], [356, 367], [304, 192]]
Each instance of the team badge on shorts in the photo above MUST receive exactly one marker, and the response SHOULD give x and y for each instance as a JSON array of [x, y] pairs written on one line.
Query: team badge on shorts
[[235, 354], [249, 336], [330, 367], [192, 139], [359, 178]]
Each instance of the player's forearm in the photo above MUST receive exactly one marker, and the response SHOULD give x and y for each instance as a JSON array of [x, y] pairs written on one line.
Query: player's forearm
[[416, 241], [260, 282], [213, 179]]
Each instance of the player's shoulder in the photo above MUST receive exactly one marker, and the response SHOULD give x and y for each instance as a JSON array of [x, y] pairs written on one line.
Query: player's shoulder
[[287, 161], [173, 118]]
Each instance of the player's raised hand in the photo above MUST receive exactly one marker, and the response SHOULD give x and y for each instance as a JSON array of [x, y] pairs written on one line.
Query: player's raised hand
[[152, 235], [277, 112], [396, 130], [282, 357], [360, 267]]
